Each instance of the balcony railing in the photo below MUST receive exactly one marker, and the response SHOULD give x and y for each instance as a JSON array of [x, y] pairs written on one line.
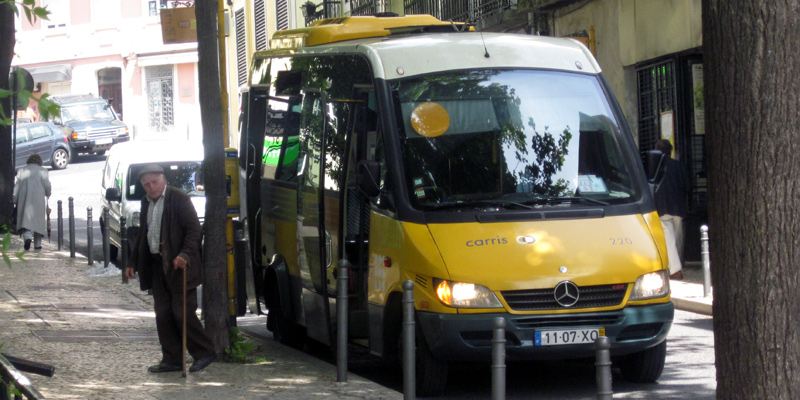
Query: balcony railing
[[456, 10], [363, 7]]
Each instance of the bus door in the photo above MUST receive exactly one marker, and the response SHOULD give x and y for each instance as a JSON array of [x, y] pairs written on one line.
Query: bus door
[[251, 128], [313, 242]]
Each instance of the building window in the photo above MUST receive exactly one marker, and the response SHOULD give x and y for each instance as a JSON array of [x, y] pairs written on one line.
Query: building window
[[656, 84], [281, 15], [241, 48], [59, 14], [159, 81], [260, 19], [154, 5]]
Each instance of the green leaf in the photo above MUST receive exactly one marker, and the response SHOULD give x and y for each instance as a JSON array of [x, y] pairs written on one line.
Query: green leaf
[[28, 14], [23, 96], [20, 254], [5, 93], [29, 2], [41, 12], [47, 107]]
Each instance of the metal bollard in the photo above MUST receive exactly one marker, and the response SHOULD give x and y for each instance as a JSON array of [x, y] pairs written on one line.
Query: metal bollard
[[123, 248], [106, 243], [341, 321], [60, 224], [706, 257], [409, 344], [71, 211], [603, 368], [89, 236], [499, 359]]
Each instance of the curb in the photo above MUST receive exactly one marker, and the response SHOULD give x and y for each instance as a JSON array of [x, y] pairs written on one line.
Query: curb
[[693, 306]]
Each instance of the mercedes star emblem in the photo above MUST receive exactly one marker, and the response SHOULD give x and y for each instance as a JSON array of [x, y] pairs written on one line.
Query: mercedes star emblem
[[566, 294]]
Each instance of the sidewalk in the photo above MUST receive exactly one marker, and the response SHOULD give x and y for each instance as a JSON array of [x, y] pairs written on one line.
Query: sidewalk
[[687, 294], [100, 336]]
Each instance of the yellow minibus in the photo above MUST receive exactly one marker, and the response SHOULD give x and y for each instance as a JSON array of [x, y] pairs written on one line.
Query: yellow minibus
[[494, 170]]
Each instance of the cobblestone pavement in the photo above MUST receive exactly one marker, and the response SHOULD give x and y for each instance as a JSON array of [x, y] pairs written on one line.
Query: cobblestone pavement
[[100, 336]]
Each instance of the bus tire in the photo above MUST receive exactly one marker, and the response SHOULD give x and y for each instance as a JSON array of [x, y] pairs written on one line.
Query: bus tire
[[431, 372], [283, 329], [645, 366]]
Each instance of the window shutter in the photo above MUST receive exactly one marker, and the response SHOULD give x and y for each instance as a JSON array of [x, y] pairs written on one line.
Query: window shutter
[[260, 19], [241, 48], [282, 14]]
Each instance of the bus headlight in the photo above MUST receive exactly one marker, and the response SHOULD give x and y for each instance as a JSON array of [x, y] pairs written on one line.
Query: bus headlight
[[654, 284], [465, 295]]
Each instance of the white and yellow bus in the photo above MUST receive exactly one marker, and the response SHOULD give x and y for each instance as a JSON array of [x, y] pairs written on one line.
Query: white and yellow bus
[[494, 170]]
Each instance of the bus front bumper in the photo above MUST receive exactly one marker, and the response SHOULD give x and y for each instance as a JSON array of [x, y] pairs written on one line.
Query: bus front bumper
[[468, 337]]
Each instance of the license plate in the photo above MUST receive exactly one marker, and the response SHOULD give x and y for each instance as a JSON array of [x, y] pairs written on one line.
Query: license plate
[[558, 337], [103, 141]]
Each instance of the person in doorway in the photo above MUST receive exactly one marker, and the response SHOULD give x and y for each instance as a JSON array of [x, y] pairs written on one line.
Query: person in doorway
[[670, 196], [168, 244], [31, 188]]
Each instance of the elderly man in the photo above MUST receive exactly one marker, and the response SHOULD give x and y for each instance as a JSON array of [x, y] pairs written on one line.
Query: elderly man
[[168, 243]]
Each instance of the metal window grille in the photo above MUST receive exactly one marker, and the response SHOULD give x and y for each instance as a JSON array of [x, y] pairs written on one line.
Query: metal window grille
[[159, 97], [456, 10], [260, 20], [656, 95], [281, 14], [363, 7], [241, 48]]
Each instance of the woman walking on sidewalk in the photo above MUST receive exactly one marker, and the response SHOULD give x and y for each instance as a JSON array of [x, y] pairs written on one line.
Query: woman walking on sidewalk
[[31, 188]]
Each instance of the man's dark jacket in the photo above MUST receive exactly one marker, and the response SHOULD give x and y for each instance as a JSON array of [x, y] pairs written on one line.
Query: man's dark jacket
[[671, 195], [180, 234]]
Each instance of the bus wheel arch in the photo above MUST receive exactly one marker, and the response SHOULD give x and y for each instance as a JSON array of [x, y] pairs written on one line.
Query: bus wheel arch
[[431, 372], [276, 296]]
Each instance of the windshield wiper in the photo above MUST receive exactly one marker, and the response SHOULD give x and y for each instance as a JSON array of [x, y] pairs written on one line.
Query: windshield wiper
[[473, 203], [574, 199]]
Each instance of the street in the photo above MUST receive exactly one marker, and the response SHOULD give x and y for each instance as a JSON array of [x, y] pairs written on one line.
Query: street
[[81, 181], [689, 372]]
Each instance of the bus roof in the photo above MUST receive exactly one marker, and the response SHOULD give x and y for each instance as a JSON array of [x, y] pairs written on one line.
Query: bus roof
[[400, 56], [333, 30]]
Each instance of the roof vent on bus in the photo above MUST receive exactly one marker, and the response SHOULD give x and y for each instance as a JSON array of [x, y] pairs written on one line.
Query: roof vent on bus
[[386, 14]]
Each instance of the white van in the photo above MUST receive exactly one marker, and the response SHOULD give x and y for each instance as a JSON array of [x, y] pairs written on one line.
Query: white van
[[121, 192]]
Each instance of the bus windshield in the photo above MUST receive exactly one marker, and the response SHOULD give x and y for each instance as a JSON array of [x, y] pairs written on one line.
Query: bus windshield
[[497, 136]]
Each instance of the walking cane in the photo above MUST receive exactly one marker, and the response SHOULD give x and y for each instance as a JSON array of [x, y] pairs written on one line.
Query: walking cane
[[183, 346], [47, 208]]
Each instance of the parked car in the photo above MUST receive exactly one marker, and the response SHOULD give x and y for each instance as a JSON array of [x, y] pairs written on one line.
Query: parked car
[[93, 125], [45, 139], [122, 193]]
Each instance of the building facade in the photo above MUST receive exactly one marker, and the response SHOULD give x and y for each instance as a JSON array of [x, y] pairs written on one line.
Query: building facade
[[114, 49]]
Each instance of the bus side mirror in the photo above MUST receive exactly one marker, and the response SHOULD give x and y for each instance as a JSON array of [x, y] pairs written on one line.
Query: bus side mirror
[[113, 194], [367, 178], [654, 163]]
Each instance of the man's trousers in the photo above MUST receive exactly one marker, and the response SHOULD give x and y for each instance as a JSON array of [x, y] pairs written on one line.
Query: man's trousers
[[169, 309]]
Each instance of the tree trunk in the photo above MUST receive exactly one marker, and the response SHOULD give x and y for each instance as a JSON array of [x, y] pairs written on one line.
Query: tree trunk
[[752, 118], [215, 283], [7, 41]]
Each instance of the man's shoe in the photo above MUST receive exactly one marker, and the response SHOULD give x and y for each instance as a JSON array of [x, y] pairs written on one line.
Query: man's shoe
[[27, 244], [201, 363], [163, 367]]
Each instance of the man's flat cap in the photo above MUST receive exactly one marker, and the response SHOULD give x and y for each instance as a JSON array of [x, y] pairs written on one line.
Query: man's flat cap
[[150, 169]]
